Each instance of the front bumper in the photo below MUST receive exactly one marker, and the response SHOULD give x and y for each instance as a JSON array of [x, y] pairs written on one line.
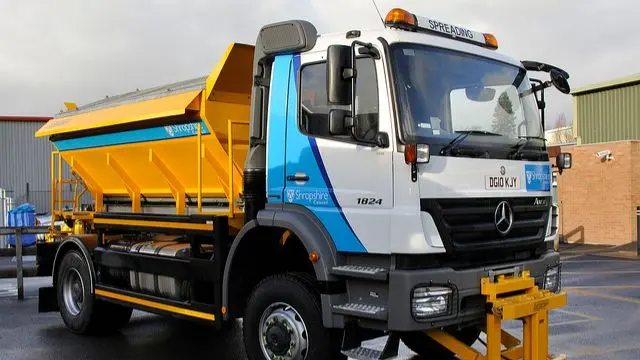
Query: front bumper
[[467, 304]]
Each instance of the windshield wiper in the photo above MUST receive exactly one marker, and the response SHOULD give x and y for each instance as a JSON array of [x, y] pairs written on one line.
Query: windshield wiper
[[523, 141], [462, 135]]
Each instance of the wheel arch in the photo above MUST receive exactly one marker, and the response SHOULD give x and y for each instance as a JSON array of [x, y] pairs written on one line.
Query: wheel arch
[[69, 244], [305, 228]]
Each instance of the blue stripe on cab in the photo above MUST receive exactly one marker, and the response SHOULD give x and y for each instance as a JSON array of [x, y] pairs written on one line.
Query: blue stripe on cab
[[132, 136], [276, 135], [303, 156], [354, 243]]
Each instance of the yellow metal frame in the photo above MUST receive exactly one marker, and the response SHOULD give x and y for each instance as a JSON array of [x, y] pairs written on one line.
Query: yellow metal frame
[[155, 305], [231, 166], [155, 224], [57, 182], [511, 298], [172, 105], [164, 168]]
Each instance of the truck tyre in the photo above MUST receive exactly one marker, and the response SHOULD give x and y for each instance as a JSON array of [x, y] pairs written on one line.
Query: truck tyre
[[80, 311], [283, 320], [423, 345]]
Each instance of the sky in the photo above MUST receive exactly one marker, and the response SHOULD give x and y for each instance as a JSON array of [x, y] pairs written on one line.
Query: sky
[[81, 51]]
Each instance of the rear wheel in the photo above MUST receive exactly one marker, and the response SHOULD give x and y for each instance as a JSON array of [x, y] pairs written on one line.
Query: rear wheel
[[80, 311], [427, 348], [283, 320]]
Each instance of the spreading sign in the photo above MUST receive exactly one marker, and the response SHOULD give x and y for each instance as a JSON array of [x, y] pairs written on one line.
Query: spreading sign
[[450, 30]]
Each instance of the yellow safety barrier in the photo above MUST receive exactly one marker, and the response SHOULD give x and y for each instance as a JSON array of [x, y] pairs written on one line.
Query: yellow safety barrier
[[511, 298]]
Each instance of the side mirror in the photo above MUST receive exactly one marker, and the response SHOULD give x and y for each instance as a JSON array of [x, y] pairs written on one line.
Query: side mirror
[[563, 161], [559, 81], [340, 71], [340, 122]]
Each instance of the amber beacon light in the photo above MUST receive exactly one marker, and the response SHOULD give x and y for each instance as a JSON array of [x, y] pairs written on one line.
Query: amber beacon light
[[401, 18], [491, 41]]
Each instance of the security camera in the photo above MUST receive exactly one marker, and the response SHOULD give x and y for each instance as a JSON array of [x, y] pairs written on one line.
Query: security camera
[[604, 155]]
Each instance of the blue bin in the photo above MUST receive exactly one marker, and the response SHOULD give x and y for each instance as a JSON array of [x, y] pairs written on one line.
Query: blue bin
[[23, 215]]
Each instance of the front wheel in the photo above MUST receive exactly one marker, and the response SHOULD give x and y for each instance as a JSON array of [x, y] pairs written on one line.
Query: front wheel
[[283, 320]]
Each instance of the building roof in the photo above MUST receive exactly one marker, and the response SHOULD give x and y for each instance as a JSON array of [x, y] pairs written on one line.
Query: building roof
[[611, 84], [25, 118]]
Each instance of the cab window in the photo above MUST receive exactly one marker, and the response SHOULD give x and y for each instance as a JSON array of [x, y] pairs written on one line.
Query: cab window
[[314, 110]]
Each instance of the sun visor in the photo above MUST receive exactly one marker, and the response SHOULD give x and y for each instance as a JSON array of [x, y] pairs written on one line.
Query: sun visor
[[159, 107]]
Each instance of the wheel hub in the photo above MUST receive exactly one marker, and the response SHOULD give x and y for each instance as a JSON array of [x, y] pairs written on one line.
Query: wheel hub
[[73, 291], [278, 339], [283, 333]]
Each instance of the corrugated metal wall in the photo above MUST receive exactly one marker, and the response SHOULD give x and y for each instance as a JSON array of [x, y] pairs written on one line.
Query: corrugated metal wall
[[26, 159], [609, 115]]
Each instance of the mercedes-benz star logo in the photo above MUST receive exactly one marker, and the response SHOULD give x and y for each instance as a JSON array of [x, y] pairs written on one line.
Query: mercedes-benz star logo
[[503, 217]]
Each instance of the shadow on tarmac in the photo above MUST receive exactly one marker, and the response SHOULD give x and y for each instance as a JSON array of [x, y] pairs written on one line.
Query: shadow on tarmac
[[145, 337]]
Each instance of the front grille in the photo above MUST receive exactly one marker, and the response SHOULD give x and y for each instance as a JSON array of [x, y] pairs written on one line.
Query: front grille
[[469, 224]]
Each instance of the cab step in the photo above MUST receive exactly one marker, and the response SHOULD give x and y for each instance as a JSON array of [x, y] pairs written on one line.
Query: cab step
[[363, 353], [389, 351], [375, 312], [361, 272]]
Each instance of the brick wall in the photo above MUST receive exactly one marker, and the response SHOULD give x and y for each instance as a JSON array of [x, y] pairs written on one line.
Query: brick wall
[[598, 198], [635, 181]]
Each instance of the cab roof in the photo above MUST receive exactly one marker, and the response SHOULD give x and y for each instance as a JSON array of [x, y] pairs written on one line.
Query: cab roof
[[399, 36]]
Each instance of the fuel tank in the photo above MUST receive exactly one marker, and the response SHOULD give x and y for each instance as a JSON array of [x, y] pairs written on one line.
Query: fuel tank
[[154, 284]]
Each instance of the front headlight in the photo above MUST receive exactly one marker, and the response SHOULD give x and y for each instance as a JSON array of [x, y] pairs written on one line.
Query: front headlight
[[430, 301], [552, 279]]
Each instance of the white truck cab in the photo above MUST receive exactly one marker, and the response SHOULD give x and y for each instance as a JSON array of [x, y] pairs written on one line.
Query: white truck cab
[[419, 150]]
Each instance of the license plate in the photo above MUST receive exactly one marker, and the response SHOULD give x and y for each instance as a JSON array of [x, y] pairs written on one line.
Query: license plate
[[502, 183]]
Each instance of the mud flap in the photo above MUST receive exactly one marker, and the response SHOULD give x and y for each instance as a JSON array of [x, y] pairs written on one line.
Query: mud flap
[[47, 299]]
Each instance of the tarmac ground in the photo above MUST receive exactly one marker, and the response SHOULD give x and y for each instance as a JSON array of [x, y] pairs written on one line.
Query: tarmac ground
[[601, 321]]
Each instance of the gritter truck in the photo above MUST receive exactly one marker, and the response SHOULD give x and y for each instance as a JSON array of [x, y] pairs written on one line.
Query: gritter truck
[[325, 189]]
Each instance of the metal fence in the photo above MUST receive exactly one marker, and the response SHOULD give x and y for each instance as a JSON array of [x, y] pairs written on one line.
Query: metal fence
[[6, 204], [18, 232], [40, 199]]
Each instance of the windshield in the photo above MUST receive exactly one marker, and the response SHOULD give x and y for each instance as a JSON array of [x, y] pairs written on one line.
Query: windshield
[[442, 93]]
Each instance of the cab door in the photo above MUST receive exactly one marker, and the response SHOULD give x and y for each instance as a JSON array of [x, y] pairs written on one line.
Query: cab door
[[347, 185]]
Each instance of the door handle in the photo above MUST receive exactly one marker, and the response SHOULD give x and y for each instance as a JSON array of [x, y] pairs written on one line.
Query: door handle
[[298, 177]]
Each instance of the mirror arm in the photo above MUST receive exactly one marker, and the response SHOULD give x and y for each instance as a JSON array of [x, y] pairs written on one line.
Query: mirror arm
[[370, 51], [353, 74], [348, 122], [557, 167], [539, 87], [349, 73]]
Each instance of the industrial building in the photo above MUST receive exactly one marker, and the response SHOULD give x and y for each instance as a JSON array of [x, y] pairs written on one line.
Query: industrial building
[[599, 197], [25, 162]]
